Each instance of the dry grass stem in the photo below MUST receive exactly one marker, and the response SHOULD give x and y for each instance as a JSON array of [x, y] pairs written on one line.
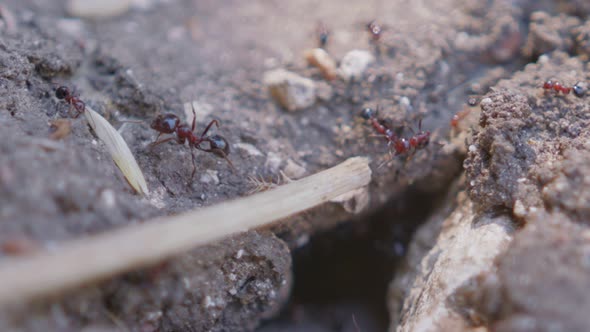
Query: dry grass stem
[[101, 256]]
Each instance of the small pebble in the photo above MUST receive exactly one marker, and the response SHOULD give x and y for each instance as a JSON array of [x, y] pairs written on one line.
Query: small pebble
[[519, 210], [93, 9], [354, 64], [249, 148], [486, 101], [209, 176], [319, 58], [293, 170], [273, 162], [290, 90]]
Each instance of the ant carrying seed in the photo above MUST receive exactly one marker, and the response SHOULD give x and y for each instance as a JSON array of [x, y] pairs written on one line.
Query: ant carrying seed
[[71, 98], [401, 145], [170, 123]]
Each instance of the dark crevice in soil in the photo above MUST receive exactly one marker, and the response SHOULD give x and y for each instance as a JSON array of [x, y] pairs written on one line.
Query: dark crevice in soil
[[345, 272]]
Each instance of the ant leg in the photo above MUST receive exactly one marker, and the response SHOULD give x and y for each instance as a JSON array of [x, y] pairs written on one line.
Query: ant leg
[[156, 142], [209, 127], [194, 117], [194, 163], [223, 155], [80, 107]]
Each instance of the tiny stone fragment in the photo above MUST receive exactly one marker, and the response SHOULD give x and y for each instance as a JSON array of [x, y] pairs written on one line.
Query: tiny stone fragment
[[290, 90], [210, 176]]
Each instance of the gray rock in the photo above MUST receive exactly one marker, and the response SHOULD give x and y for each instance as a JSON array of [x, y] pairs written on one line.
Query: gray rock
[[290, 90]]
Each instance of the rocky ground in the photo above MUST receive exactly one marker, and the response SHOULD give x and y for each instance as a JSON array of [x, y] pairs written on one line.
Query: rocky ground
[[503, 246]]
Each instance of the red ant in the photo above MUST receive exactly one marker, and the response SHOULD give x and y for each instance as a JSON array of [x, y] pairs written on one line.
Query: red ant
[[556, 86], [375, 30], [323, 34], [401, 145], [579, 89], [71, 98], [170, 123]]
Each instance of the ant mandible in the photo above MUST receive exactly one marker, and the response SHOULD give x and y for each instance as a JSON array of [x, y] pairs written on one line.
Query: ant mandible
[[71, 98], [170, 123]]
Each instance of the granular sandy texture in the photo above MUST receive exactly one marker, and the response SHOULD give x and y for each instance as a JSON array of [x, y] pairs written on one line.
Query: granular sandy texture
[[539, 284], [230, 285], [431, 56], [528, 138], [527, 162]]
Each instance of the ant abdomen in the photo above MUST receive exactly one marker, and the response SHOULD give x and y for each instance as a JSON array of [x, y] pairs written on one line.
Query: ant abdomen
[[368, 113], [219, 146]]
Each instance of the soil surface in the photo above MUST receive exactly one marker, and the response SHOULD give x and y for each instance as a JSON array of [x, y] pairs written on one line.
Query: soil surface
[[526, 153]]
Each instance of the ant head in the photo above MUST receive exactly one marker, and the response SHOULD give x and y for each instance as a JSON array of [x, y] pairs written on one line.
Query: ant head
[[367, 113], [165, 123], [62, 92], [219, 146]]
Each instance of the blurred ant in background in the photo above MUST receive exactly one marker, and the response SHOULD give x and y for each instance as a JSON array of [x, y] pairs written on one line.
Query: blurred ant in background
[[323, 33], [170, 123]]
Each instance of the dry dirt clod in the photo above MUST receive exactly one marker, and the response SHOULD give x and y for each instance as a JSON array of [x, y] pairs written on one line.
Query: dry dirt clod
[[290, 90], [549, 33]]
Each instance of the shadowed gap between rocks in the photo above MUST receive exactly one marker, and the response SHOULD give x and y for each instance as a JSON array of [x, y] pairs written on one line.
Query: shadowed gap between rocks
[[346, 271]]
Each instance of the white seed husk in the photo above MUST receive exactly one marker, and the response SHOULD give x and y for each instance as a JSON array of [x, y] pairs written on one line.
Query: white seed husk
[[118, 150]]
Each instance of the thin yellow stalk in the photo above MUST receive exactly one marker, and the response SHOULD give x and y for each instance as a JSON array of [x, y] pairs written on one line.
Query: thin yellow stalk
[[94, 258]]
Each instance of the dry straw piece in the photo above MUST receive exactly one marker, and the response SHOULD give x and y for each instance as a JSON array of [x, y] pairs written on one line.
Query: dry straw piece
[[98, 257], [118, 149]]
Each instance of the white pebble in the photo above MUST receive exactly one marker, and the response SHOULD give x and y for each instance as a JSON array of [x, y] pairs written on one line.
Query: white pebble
[[486, 101], [249, 148], [273, 162], [209, 176], [240, 253], [354, 64]]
